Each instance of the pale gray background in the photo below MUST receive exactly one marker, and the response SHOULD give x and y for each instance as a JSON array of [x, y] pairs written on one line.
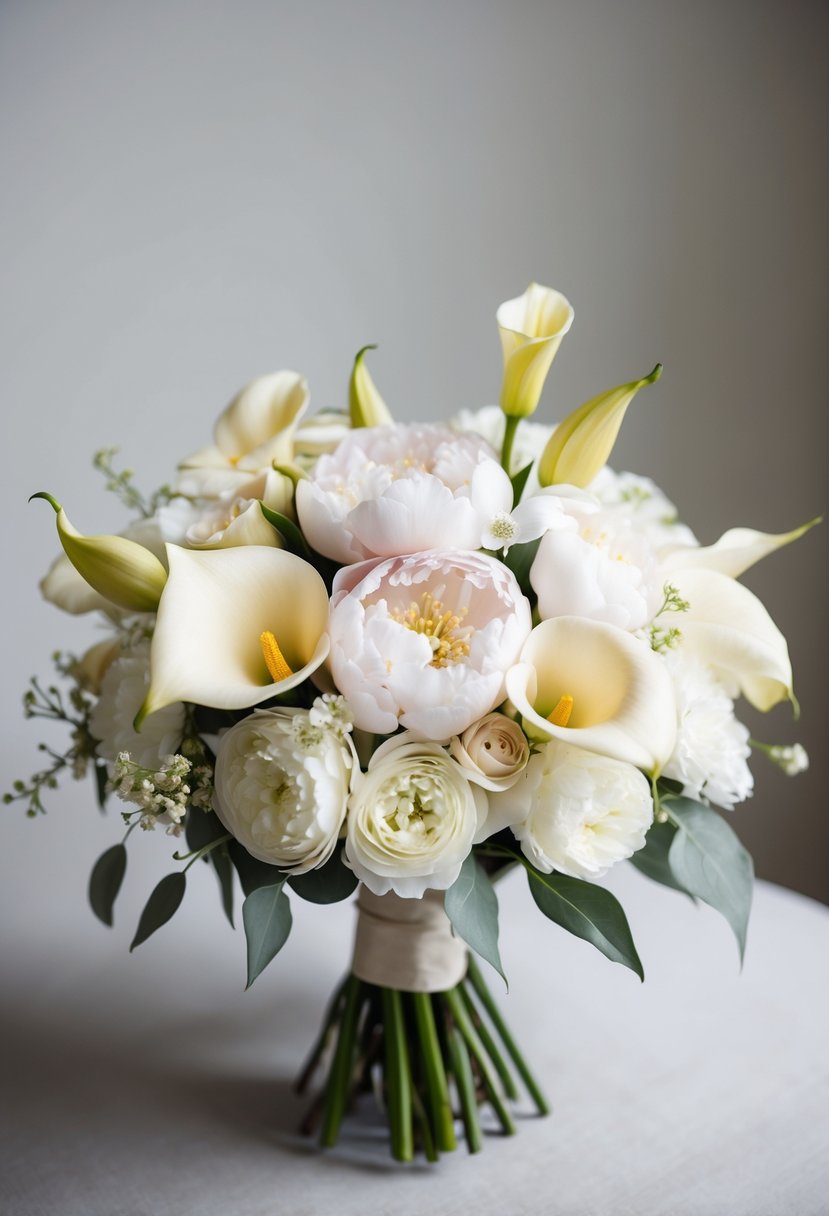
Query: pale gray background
[[195, 193]]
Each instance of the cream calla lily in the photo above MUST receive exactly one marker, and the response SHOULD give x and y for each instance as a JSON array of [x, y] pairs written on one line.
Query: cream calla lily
[[218, 609], [531, 328], [596, 687], [237, 518], [581, 445], [122, 571], [254, 432], [736, 551], [365, 405], [728, 628]]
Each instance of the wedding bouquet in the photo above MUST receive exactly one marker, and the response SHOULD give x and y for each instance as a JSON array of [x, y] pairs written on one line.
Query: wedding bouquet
[[346, 653]]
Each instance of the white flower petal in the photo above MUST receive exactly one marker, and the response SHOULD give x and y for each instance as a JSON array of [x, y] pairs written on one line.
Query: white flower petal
[[735, 552]]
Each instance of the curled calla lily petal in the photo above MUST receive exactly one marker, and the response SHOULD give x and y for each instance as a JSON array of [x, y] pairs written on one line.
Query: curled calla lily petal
[[121, 570], [236, 627], [581, 445], [736, 551], [237, 517], [531, 328], [365, 405], [728, 628], [596, 687], [254, 432]]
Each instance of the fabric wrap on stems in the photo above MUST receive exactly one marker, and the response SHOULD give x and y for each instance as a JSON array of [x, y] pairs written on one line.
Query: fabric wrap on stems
[[406, 944]]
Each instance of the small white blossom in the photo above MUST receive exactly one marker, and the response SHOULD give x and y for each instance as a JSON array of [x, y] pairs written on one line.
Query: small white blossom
[[792, 759]]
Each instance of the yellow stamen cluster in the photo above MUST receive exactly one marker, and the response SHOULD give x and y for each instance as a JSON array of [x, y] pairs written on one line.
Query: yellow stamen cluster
[[562, 712], [274, 658], [448, 639]]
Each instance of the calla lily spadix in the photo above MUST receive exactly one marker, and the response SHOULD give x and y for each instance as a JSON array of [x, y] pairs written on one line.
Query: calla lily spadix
[[728, 628], [235, 628], [531, 328], [597, 687], [122, 571], [581, 445], [365, 405], [255, 432], [736, 551]]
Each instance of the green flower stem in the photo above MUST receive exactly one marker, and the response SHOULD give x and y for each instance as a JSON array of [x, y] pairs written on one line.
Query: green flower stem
[[199, 853], [490, 1046], [398, 1076], [340, 1076], [478, 1054], [430, 1150], [323, 1039], [509, 439], [485, 997], [437, 1086], [462, 1070]]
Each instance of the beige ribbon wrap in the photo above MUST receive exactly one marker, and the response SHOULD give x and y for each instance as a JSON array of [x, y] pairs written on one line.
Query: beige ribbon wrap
[[406, 943]]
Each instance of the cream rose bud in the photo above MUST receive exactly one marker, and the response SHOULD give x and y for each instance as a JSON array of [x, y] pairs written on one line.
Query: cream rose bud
[[577, 812], [282, 782], [493, 752], [412, 819]]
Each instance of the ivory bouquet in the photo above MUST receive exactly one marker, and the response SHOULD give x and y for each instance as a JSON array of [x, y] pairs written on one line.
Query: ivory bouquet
[[345, 653]]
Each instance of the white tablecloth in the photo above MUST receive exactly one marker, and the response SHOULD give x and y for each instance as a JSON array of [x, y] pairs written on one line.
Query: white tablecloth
[[152, 1085]]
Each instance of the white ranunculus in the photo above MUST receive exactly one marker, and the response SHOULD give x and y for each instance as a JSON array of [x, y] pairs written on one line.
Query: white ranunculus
[[412, 819], [712, 747], [577, 812], [391, 490], [424, 641], [123, 689], [493, 752], [282, 782]]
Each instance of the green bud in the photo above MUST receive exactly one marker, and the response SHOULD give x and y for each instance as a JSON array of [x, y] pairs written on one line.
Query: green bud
[[365, 405]]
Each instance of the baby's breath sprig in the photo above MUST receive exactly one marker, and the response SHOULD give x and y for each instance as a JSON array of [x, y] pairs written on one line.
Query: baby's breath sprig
[[121, 484], [663, 638]]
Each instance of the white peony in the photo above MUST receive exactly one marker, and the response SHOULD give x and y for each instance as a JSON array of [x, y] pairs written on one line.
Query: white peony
[[391, 490], [412, 820], [123, 689], [577, 812], [712, 747], [282, 782], [425, 641]]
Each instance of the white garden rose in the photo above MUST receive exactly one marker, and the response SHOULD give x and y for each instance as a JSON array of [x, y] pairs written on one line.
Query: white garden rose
[[412, 819], [123, 688], [577, 812], [425, 641], [282, 782], [492, 752]]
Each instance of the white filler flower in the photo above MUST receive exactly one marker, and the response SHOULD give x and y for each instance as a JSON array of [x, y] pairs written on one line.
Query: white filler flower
[[282, 782], [123, 689], [412, 820], [712, 747], [425, 641], [577, 812]]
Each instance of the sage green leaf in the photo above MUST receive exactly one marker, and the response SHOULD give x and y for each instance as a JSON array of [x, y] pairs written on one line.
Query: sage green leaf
[[652, 860], [472, 906], [519, 481], [101, 784], [589, 912], [266, 914], [329, 884], [519, 559], [221, 863], [105, 881], [160, 907], [288, 530], [252, 872], [203, 827], [708, 860]]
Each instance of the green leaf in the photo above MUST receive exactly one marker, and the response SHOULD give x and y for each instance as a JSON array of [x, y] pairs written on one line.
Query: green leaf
[[708, 860], [288, 530], [329, 884], [519, 481], [266, 914], [519, 559], [203, 827], [101, 785], [588, 911], [472, 906], [160, 907], [105, 881], [221, 863], [652, 860], [252, 872]]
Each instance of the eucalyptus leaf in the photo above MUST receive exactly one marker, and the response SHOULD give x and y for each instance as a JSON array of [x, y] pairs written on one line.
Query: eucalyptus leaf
[[472, 906], [589, 912], [708, 860], [331, 883], [161, 906], [519, 481], [105, 881], [202, 828], [652, 860], [252, 872], [101, 784], [519, 559], [221, 863], [288, 530], [266, 914]]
